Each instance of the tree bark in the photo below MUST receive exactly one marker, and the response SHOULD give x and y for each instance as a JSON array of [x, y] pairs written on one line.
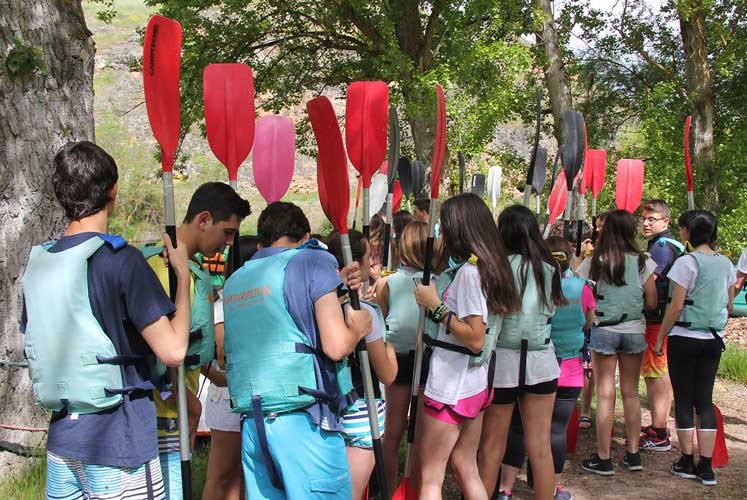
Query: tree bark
[[40, 112], [700, 91], [552, 61]]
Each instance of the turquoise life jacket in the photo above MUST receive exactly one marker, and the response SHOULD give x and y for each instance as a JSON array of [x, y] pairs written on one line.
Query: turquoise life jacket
[[271, 365], [616, 304], [567, 325], [493, 326], [73, 362], [201, 348], [402, 317], [532, 323], [705, 306]]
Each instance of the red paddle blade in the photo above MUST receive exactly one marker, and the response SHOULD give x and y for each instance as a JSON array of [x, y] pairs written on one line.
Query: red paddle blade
[[228, 91], [720, 456], [595, 170], [396, 197], [274, 155], [629, 186], [366, 123], [162, 54], [405, 491], [688, 166], [558, 197], [571, 435], [331, 163], [582, 185], [439, 148]]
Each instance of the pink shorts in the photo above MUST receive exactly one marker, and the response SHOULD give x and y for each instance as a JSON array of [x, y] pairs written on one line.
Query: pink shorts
[[464, 409]]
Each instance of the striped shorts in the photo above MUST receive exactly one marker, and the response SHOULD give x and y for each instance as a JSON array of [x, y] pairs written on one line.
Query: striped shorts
[[356, 429], [72, 480]]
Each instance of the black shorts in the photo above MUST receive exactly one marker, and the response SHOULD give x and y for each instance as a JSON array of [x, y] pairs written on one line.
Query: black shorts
[[508, 395], [406, 365]]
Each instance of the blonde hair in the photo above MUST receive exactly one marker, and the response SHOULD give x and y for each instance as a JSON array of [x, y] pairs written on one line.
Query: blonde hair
[[411, 244]]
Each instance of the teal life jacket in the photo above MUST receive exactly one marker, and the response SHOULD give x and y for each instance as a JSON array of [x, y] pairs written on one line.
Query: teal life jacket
[[568, 322], [616, 304], [201, 348], [402, 317], [73, 362], [271, 365], [430, 338], [706, 305], [532, 322]]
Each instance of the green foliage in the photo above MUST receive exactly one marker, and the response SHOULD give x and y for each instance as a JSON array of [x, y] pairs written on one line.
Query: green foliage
[[24, 60], [107, 13], [734, 364]]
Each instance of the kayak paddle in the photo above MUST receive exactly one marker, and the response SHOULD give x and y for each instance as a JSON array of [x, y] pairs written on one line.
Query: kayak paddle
[[462, 170], [404, 172], [406, 491], [274, 156], [333, 170], [495, 177], [572, 157], [418, 178], [688, 165], [595, 168], [535, 149], [557, 202], [377, 193], [546, 228], [539, 178], [629, 184], [478, 185], [391, 174], [397, 198], [357, 200], [161, 59]]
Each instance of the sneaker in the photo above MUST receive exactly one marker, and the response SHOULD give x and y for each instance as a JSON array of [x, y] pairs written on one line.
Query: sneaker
[[705, 474], [502, 495], [655, 443], [633, 461], [684, 468], [561, 494], [598, 466], [647, 430]]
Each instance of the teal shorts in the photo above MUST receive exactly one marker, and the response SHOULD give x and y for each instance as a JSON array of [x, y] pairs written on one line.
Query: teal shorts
[[311, 462], [69, 479], [356, 427], [171, 469]]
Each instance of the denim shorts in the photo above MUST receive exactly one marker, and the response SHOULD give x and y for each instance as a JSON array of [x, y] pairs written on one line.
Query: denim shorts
[[607, 342]]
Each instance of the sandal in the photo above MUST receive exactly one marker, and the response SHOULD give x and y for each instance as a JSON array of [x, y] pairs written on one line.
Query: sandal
[[584, 422]]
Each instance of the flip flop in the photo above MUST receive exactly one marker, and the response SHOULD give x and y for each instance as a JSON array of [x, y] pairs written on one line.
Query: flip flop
[[584, 422]]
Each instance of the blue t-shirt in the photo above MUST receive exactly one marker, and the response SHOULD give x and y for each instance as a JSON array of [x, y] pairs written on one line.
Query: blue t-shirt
[[309, 276], [125, 297]]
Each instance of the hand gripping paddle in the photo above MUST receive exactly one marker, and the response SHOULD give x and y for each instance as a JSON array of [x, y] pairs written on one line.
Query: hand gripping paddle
[[332, 170], [478, 185], [161, 59], [228, 92], [688, 166], [462, 170], [391, 174], [274, 156], [535, 149], [573, 157], [406, 491], [366, 113], [495, 177], [539, 177], [629, 185]]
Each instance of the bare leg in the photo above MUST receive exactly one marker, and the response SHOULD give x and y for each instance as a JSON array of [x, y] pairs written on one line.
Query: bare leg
[[397, 401], [436, 442], [509, 473], [464, 460], [496, 420], [630, 373], [659, 391], [604, 374], [224, 473], [586, 395], [361, 462], [536, 417]]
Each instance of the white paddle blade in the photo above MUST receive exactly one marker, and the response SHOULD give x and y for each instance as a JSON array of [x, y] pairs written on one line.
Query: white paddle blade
[[495, 177], [377, 193]]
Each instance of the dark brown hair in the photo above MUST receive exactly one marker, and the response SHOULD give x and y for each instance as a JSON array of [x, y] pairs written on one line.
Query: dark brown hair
[[616, 240]]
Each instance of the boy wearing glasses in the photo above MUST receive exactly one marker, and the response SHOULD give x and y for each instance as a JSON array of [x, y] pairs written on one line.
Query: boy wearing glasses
[[664, 249]]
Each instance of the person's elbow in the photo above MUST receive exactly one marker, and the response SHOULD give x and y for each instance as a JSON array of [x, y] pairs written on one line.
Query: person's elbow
[[173, 357], [476, 344], [337, 351], [388, 378]]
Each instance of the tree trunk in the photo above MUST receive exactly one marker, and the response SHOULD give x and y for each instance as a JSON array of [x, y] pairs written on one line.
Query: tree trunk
[[41, 111], [552, 60], [700, 92]]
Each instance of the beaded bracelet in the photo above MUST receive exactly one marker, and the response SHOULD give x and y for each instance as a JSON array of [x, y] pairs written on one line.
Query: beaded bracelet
[[439, 312]]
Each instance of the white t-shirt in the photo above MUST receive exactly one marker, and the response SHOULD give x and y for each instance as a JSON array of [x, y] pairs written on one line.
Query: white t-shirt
[[633, 326], [377, 328], [451, 377], [683, 272], [742, 264]]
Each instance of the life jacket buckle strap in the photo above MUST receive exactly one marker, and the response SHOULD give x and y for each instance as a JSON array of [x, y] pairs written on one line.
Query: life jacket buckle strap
[[259, 423]]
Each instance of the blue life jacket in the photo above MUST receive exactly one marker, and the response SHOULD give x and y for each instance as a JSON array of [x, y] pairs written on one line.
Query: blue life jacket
[[662, 282], [567, 324], [271, 365], [201, 347], [73, 362]]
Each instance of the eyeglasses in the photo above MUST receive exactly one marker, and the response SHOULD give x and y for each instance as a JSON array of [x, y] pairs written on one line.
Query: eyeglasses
[[651, 220]]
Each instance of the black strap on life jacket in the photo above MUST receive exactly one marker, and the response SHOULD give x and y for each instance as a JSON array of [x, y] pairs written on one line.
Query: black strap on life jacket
[[259, 423]]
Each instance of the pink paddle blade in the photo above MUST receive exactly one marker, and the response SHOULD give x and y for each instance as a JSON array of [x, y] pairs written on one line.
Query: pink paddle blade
[[331, 163], [366, 124], [396, 197], [274, 156], [595, 169], [161, 59], [558, 197], [405, 491], [228, 92], [582, 185], [629, 186], [439, 148], [688, 166]]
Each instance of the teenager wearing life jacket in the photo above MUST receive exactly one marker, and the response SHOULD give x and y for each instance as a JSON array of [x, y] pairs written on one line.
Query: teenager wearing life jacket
[[224, 473], [663, 249], [399, 221], [527, 370], [383, 361], [465, 306], [286, 343], [94, 315], [624, 281], [394, 294], [212, 219], [702, 294]]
